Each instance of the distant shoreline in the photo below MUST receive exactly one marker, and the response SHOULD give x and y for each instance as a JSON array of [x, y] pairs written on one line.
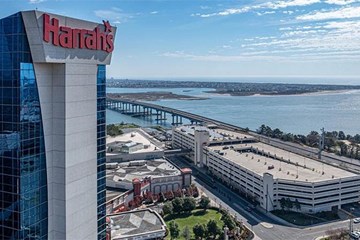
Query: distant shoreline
[[152, 96], [234, 88], [315, 93]]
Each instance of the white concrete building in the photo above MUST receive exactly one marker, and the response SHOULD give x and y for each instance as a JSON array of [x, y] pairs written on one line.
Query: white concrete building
[[139, 224], [268, 174], [159, 175], [135, 145]]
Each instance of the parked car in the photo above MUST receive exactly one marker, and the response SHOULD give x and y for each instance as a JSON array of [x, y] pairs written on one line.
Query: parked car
[[355, 235], [356, 220]]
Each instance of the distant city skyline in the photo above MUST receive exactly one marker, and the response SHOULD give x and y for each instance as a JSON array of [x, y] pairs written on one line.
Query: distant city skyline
[[176, 39]]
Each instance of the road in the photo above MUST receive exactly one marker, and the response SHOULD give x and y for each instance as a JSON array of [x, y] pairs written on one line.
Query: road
[[264, 227], [328, 158]]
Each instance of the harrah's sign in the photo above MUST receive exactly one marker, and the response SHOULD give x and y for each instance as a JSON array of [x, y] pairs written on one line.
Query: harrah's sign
[[78, 38]]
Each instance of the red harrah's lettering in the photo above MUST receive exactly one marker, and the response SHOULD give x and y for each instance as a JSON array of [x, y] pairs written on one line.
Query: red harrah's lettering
[[78, 38]]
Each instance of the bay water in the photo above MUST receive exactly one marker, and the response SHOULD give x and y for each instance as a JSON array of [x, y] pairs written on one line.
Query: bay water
[[299, 114]]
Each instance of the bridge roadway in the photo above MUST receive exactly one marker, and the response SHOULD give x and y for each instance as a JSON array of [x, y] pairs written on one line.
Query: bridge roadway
[[190, 116], [327, 158]]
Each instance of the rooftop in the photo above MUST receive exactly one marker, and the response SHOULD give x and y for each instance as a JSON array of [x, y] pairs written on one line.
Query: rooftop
[[229, 135], [216, 134], [131, 139], [190, 129], [299, 168], [126, 172], [111, 194], [135, 223]]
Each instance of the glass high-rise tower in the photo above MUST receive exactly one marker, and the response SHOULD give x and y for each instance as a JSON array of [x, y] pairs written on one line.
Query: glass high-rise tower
[[23, 181], [52, 126]]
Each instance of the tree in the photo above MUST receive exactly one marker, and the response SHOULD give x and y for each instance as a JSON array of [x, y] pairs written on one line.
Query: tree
[[268, 131], [178, 205], [168, 208], [283, 203], [174, 230], [186, 233], [297, 205], [212, 228], [199, 231], [228, 221], [335, 134], [204, 203], [277, 133], [343, 148], [337, 234], [341, 135], [261, 129], [357, 138], [289, 204], [312, 139], [113, 130], [189, 204]]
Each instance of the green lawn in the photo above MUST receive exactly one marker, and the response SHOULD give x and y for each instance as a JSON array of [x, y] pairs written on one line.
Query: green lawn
[[305, 219], [195, 217]]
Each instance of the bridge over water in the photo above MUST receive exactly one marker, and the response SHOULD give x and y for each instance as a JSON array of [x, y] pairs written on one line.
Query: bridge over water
[[144, 109], [161, 113]]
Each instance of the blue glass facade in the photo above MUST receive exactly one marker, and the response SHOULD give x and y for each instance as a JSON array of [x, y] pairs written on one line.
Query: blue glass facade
[[101, 147], [23, 180]]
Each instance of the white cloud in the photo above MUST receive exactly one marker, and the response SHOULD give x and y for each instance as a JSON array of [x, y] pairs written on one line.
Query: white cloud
[[268, 56], [226, 12], [286, 4], [215, 57], [342, 13], [36, 1], [288, 12], [154, 12], [347, 26], [324, 40], [115, 15], [204, 7], [265, 13], [268, 5], [285, 28], [340, 2]]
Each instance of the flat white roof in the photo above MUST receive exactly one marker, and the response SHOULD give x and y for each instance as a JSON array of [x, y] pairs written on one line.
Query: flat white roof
[[190, 129], [309, 170], [127, 171], [134, 137], [229, 135], [216, 134], [138, 223]]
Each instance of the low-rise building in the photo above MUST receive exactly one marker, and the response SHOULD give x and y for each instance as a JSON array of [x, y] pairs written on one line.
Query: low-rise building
[[139, 224], [135, 145], [159, 174], [195, 137], [268, 174], [125, 147]]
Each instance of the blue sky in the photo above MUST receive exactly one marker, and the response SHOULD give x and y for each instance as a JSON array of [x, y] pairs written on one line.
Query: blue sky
[[194, 38]]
